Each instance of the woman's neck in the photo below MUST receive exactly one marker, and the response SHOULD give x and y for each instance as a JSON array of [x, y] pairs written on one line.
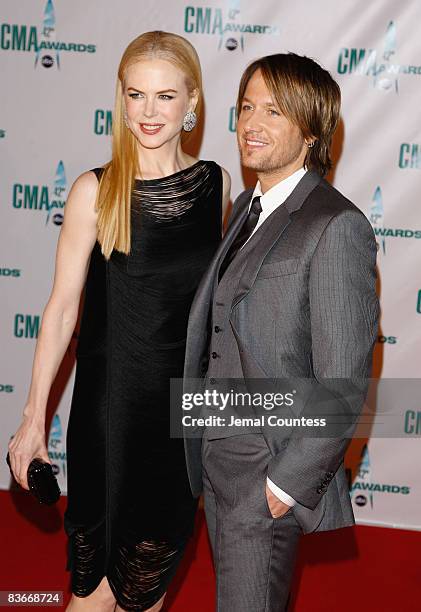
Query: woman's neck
[[164, 161]]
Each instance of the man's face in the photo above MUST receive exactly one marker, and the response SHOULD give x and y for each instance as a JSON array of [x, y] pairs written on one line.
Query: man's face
[[269, 143]]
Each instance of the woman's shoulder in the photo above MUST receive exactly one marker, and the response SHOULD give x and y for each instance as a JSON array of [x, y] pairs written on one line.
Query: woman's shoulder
[[226, 178], [97, 172], [225, 174], [84, 191], [88, 181], [225, 187]]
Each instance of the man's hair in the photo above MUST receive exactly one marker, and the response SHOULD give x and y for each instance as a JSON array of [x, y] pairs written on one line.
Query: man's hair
[[306, 94]]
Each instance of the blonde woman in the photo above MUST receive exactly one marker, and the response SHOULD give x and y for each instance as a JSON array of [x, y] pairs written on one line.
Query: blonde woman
[[139, 233]]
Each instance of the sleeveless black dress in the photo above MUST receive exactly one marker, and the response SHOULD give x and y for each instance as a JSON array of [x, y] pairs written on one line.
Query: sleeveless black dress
[[129, 509]]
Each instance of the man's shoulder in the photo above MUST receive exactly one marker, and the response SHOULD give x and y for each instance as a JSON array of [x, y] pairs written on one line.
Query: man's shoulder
[[332, 200], [328, 207]]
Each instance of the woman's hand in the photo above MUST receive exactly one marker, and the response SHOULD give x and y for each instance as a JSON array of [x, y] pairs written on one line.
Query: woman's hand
[[27, 443]]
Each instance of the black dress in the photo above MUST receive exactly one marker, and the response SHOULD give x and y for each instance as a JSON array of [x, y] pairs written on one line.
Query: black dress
[[130, 510]]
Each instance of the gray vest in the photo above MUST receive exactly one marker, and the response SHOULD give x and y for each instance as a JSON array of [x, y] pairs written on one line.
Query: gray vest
[[224, 358]]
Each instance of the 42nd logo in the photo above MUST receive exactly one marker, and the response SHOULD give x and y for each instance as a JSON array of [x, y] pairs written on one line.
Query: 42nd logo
[[47, 39]]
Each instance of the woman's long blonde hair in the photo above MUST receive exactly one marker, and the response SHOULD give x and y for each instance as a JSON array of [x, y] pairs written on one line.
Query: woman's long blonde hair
[[116, 184]]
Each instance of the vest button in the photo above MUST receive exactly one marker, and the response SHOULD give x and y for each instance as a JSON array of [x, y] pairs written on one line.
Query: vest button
[[214, 355], [217, 329], [212, 381]]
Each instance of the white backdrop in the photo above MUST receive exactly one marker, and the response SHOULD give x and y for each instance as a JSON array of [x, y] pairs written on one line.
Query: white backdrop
[[58, 63]]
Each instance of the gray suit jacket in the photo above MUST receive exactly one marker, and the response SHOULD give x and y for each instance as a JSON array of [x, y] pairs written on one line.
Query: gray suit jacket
[[304, 306]]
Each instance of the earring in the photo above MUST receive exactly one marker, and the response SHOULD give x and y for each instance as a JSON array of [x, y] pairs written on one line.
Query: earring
[[125, 119], [310, 144], [189, 121]]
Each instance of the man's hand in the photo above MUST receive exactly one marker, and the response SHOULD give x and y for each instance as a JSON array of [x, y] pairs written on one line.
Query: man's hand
[[276, 507]]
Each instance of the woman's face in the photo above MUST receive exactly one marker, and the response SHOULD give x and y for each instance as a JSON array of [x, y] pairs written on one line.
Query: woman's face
[[156, 100]]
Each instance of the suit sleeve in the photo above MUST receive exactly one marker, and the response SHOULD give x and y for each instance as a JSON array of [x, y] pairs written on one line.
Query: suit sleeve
[[344, 313]]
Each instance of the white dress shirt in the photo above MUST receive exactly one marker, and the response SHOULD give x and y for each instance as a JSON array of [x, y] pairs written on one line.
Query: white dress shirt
[[275, 196], [270, 201]]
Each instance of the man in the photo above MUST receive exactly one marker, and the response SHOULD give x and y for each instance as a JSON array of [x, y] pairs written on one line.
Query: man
[[290, 295]]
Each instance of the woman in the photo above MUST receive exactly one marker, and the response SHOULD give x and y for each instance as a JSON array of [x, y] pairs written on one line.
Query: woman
[[140, 232]]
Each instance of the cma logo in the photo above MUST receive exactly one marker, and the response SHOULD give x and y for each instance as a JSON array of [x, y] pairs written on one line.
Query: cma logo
[[379, 66], [26, 326], [43, 41], [387, 339], [226, 24], [14, 272], [41, 197]]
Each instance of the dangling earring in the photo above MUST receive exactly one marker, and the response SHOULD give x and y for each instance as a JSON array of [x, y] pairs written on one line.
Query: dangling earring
[[125, 119], [189, 121]]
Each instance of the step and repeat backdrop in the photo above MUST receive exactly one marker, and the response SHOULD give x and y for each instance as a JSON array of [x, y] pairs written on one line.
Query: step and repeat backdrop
[[58, 63]]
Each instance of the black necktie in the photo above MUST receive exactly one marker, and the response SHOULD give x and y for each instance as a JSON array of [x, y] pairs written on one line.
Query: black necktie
[[243, 235]]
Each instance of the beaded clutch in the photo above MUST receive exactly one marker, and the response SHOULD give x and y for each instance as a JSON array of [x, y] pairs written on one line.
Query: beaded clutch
[[41, 481]]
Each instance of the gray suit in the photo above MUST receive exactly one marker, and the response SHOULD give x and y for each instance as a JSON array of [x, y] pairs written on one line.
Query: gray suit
[[298, 301]]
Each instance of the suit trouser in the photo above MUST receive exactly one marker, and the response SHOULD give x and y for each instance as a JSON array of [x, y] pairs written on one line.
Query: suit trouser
[[254, 554]]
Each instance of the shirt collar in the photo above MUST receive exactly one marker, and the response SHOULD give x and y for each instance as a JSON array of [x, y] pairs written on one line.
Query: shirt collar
[[277, 194]]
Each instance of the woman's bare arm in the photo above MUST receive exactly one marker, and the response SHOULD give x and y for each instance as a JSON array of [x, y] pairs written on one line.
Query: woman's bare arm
[[76, 241]]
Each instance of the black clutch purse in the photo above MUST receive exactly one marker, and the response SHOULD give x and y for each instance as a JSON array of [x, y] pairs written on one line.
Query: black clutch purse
[[41, 481]]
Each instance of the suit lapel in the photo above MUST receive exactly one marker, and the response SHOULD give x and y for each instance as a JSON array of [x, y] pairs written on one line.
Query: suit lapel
[[240, 211], [269, 232]]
